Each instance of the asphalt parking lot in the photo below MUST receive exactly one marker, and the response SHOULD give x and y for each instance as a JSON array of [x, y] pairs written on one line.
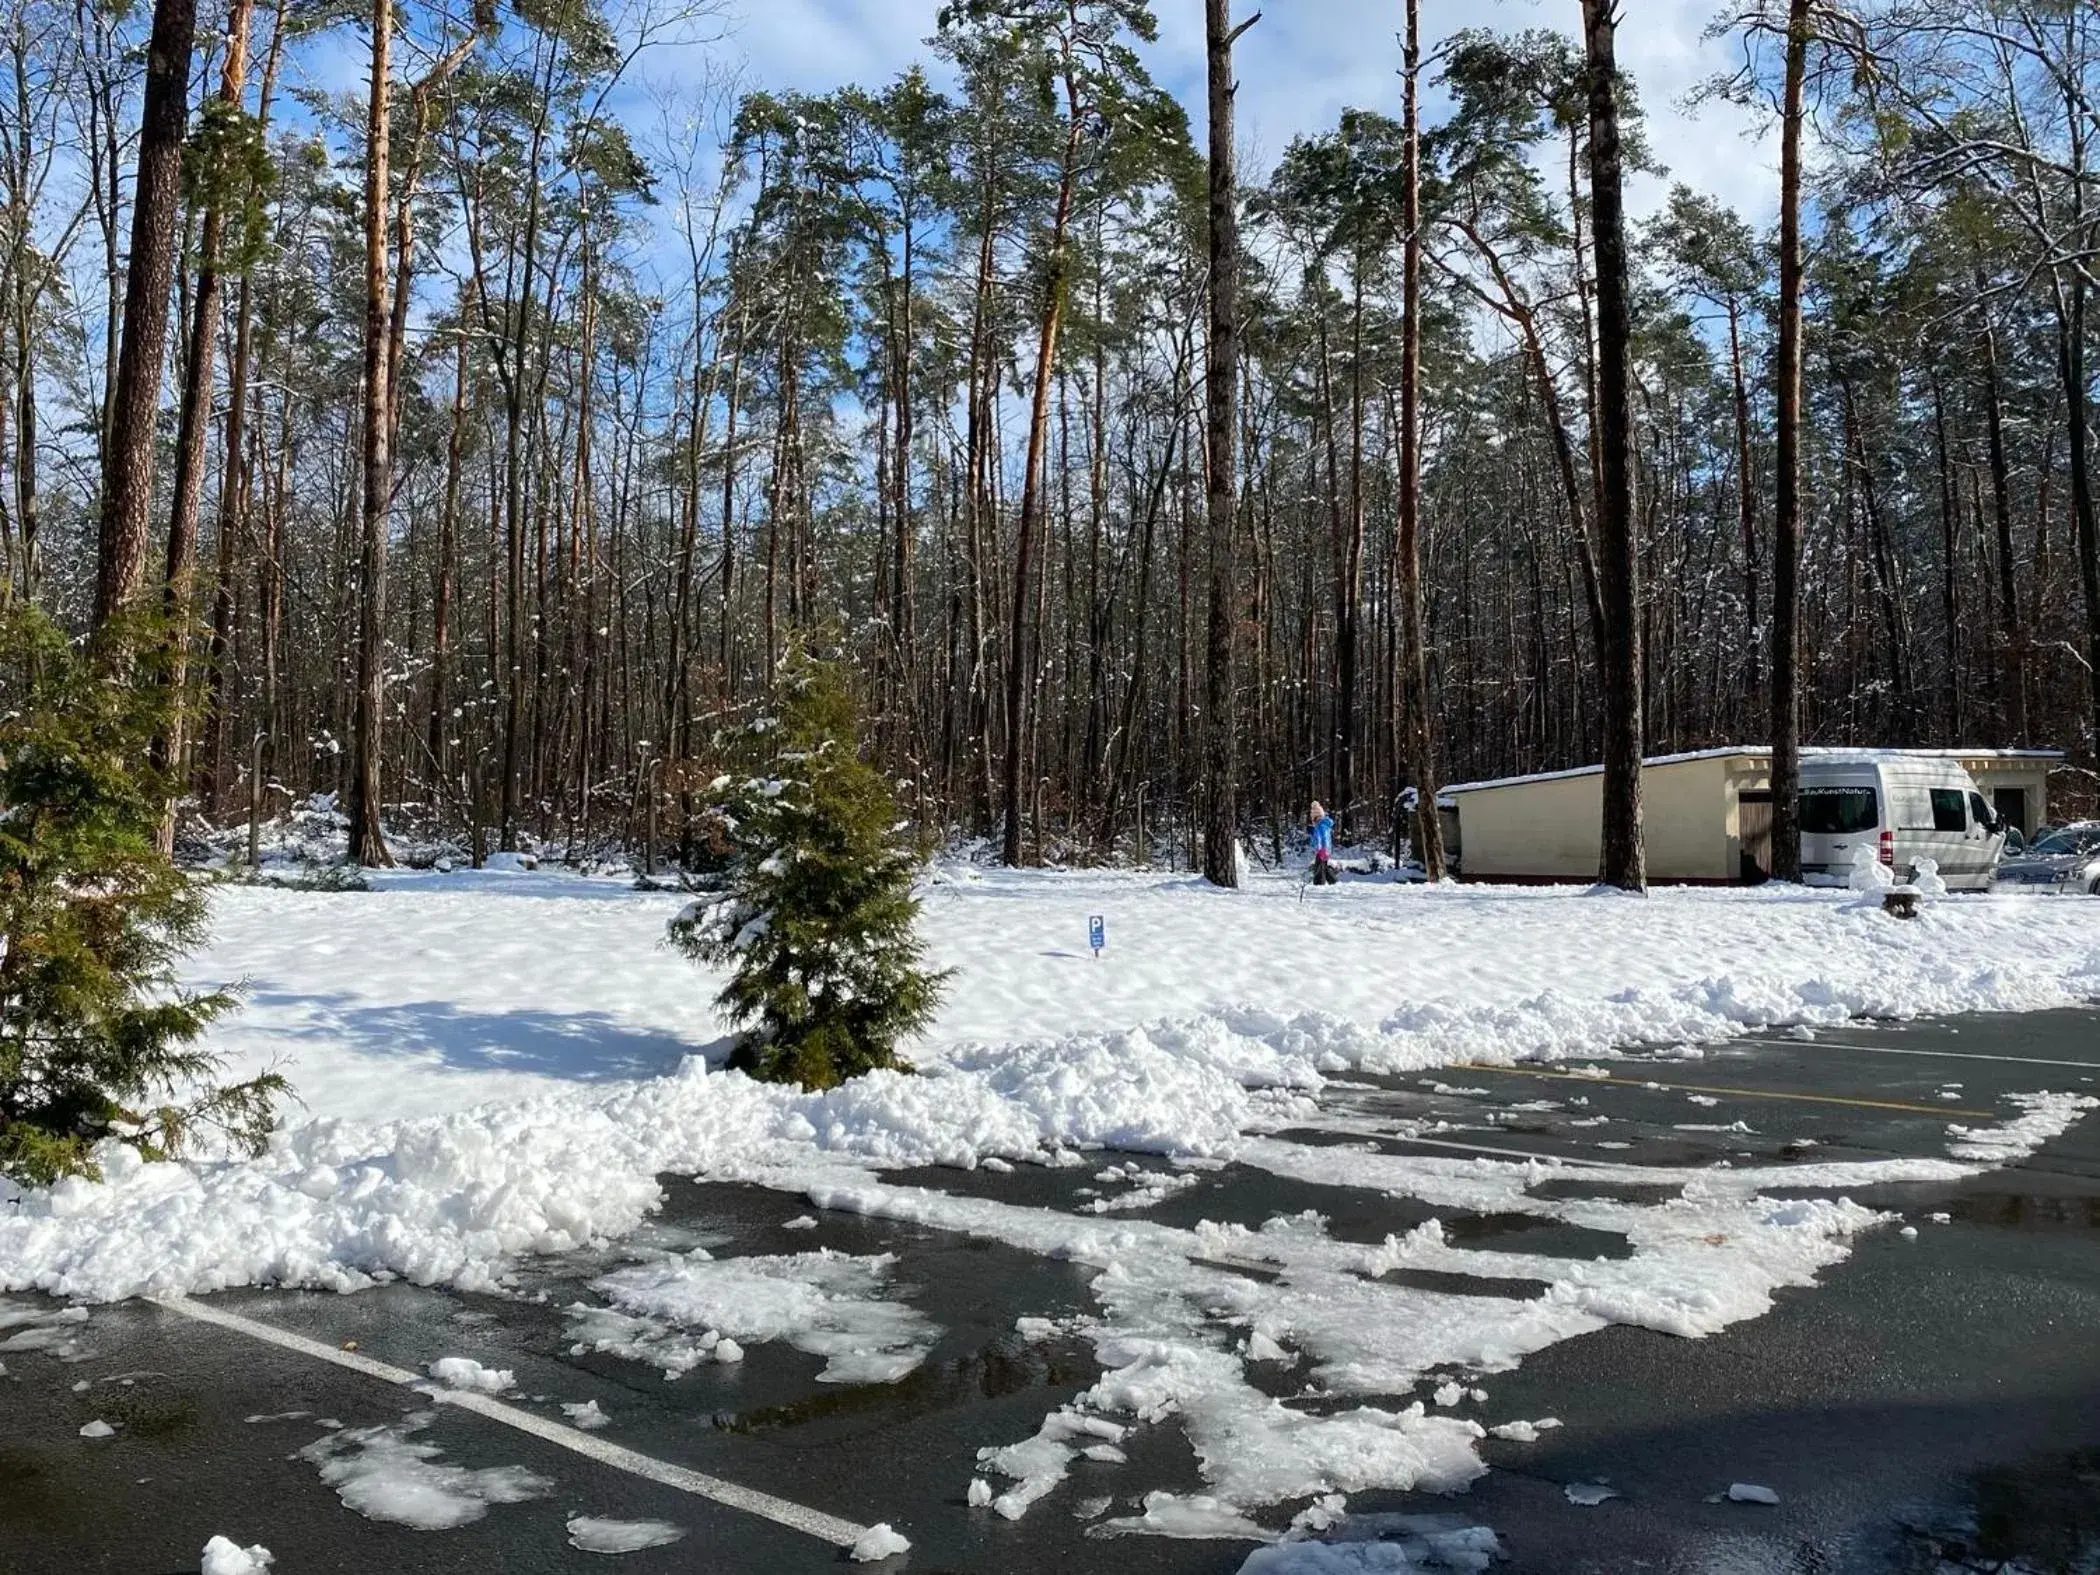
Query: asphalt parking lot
[[1933, 1403]]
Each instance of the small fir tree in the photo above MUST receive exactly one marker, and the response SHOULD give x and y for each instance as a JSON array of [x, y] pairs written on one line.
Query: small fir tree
[[816, 922], [97, 1040]]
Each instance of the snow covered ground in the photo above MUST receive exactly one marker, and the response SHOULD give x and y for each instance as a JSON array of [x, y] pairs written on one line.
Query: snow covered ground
[[436, 992], [502, 1064]]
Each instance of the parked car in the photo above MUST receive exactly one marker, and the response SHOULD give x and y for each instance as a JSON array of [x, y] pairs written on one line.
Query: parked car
[[2061, 859], [1905, 807]]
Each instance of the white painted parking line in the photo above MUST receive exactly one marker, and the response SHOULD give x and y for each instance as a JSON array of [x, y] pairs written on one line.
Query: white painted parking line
[[797, 1517], [1504, 1153], [1606, 1080], [1947, 1055]]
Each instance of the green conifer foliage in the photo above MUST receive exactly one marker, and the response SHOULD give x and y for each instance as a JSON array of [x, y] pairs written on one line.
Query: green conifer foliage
[[816, 923], [97, 1040]]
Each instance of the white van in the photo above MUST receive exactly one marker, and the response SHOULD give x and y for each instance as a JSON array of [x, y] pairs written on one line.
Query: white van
[[1905, 807]]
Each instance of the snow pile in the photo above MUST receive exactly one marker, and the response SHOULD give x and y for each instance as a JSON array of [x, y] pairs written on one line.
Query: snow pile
[[1197, 1515], [223, 1556], [586, 1414], [1039, 1463], [452, 1198], [52, 1329], [1750, 1493], [1868, 873], [383, 1475], [2044, 1116], [675, 1352], [595, 1535], [879, 1542], [1392, 1544], [822, 1302], [463, 1372], [1521, 1432], [97, 1429], [1147, 1188]]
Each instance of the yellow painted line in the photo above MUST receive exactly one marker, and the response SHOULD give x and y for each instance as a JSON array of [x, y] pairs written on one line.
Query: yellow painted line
[[1739, 1093]]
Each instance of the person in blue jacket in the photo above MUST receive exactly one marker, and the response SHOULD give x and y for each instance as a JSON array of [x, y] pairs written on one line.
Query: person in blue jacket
[[1322, 828]]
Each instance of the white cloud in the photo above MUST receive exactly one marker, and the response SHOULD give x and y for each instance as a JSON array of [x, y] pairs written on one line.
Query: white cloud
[[815, 45]]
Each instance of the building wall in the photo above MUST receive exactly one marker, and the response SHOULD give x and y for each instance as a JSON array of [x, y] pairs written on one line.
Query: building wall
[[2030, 777], [1690, 821], [1533, 830], [1551, 830]]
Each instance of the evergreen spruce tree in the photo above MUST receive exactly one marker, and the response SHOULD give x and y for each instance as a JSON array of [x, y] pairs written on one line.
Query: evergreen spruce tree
[[93, 1027], [816, 922]]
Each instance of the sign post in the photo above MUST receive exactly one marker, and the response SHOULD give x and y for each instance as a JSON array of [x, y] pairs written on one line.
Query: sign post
[[1097, 934]]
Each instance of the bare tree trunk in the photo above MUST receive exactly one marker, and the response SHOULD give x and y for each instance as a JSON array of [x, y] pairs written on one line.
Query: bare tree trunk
[[736, 378], [447, 560], [236, 481], [367, 844], [903, 596], [2071, 354], [1745, 497], [1348, 609], [1221, 496], [1513, 306], [1031, 484], [269, 591], [2012, 676], [510, 368], [192, 428], [1950, 594], [1624, 863], [1417, 734], [1786, 499], [127, 495]]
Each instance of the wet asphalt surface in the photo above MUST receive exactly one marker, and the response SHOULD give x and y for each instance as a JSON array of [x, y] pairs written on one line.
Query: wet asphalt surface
[[1931, 1405]]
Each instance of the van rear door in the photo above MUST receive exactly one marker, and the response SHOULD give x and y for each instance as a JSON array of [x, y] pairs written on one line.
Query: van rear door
[[1838, 817]]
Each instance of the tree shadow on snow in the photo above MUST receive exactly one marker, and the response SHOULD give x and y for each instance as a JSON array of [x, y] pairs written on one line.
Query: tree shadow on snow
[[554, 882], [583, 1047]]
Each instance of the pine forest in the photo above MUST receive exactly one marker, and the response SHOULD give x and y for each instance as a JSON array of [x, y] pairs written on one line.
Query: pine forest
[[483, 402]]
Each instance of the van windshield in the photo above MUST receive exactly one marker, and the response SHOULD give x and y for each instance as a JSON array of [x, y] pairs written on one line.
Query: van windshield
[[1829, 811]]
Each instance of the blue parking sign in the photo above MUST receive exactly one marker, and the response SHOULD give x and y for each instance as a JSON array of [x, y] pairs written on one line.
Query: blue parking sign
[[1097, 934]]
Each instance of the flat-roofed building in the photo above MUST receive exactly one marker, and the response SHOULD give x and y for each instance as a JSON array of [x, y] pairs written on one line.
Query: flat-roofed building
[[1706, 815]]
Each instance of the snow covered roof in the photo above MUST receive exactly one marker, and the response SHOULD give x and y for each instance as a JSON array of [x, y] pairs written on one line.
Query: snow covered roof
[[1759, 751]]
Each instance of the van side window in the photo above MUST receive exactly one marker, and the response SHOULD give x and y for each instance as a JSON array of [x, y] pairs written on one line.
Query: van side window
[[1979, 810], [1949, 813]]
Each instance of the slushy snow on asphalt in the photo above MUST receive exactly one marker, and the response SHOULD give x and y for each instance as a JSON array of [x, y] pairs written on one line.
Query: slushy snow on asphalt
[[501, 1065]]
